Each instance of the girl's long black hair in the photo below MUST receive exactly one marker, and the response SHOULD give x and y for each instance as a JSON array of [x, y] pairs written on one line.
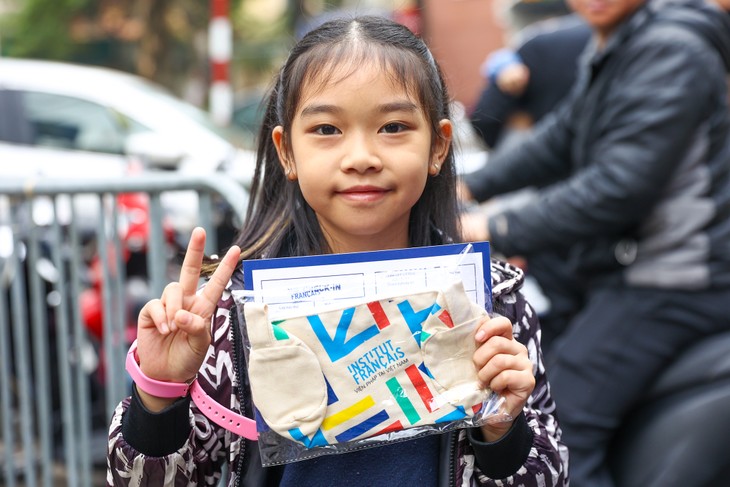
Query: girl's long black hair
[[279, 221]]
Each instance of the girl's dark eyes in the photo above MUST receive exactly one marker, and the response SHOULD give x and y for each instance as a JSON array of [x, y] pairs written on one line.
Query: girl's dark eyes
[[326, 130], [389, 128], [393, 128]]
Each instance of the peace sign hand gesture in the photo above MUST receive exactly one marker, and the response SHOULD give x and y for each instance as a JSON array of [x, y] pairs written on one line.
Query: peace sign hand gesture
[[173, 332]]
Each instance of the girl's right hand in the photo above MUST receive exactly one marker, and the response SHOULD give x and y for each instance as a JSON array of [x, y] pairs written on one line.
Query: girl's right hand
[[173, 332]]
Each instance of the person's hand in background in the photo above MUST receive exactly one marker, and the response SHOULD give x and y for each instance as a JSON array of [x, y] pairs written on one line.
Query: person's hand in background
[[464, 194], [474, 226], [506, 69], [513, 79]]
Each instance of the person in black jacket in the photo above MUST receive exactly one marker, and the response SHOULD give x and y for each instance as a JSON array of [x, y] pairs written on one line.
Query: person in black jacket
[[524, 86], [529, 82], [641, 156], [723, 4]]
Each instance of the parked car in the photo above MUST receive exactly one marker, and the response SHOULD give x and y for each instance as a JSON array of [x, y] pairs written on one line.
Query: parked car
[[65, 120]]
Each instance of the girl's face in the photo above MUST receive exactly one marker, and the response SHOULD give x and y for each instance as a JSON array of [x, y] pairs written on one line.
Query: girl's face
[[361, 153]]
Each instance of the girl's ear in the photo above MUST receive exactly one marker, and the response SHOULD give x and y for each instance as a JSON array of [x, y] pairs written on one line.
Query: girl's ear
[[441, 147], [277, 135]]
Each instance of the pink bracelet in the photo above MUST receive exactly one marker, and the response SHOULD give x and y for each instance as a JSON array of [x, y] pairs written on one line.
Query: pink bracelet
[[152, 386], [220, 415]]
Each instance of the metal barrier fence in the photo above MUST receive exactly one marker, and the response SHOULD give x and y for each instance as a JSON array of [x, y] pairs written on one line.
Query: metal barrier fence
[[62, 355]]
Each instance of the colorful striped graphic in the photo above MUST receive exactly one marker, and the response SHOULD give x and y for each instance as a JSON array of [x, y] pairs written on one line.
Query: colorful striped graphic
[[425, 336], [337, 419], [317, 440], [414, 319], [421, 387], [445, 317], [397, 426], [331, 396], [279, 332], [422, 367], [381, 319], [405, 404], [362, 428], [458, 413], [339, 346]]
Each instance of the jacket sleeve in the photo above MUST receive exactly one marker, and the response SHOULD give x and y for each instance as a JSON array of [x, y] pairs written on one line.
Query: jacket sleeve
[[491, 112], [545, 460], [540, 159], [178, 446], [658, 97]]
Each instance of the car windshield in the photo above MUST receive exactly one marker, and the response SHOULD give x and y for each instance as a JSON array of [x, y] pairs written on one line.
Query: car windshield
[[167, 110]]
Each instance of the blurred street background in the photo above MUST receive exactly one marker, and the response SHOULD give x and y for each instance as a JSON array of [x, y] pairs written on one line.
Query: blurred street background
[[170, 41]]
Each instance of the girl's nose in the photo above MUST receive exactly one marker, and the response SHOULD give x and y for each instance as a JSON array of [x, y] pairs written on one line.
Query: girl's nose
[[361, 154]]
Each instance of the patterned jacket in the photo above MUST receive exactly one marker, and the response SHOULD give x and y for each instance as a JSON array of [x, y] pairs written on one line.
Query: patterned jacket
[[183, 448]]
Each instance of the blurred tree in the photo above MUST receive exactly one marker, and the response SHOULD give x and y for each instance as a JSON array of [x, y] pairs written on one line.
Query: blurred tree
[[164, 40], [261, 39], [40, 26], [167, 51]]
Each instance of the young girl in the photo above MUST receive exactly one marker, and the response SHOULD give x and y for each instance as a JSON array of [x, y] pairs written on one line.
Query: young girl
[[355, 155]]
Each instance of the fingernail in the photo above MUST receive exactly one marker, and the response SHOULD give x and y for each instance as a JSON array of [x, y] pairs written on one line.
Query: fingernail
[[481, 334], [164, 328], [173, 325]]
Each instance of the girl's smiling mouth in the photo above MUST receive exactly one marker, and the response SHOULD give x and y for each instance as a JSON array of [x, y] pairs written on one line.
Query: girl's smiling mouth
[[363, 193]]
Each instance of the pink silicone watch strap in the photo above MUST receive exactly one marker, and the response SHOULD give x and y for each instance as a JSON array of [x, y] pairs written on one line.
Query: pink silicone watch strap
[[222, 416], [151, 386]]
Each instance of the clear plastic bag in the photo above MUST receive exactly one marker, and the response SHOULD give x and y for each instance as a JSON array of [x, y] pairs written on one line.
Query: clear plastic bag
[[360, 376]]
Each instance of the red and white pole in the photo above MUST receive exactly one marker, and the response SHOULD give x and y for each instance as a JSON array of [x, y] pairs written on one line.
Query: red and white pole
[[220, 41]]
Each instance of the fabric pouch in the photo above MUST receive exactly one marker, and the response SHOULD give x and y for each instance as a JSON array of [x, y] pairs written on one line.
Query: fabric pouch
[[342, 376]]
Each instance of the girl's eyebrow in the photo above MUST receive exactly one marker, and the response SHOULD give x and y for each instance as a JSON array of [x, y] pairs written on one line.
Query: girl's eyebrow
[[310, 110], [397, 106]]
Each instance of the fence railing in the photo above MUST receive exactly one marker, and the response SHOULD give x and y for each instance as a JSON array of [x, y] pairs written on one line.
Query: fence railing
[[77, 259]]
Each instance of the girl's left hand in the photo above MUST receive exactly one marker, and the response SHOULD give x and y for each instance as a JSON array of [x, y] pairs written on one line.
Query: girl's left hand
[[504, 366]]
